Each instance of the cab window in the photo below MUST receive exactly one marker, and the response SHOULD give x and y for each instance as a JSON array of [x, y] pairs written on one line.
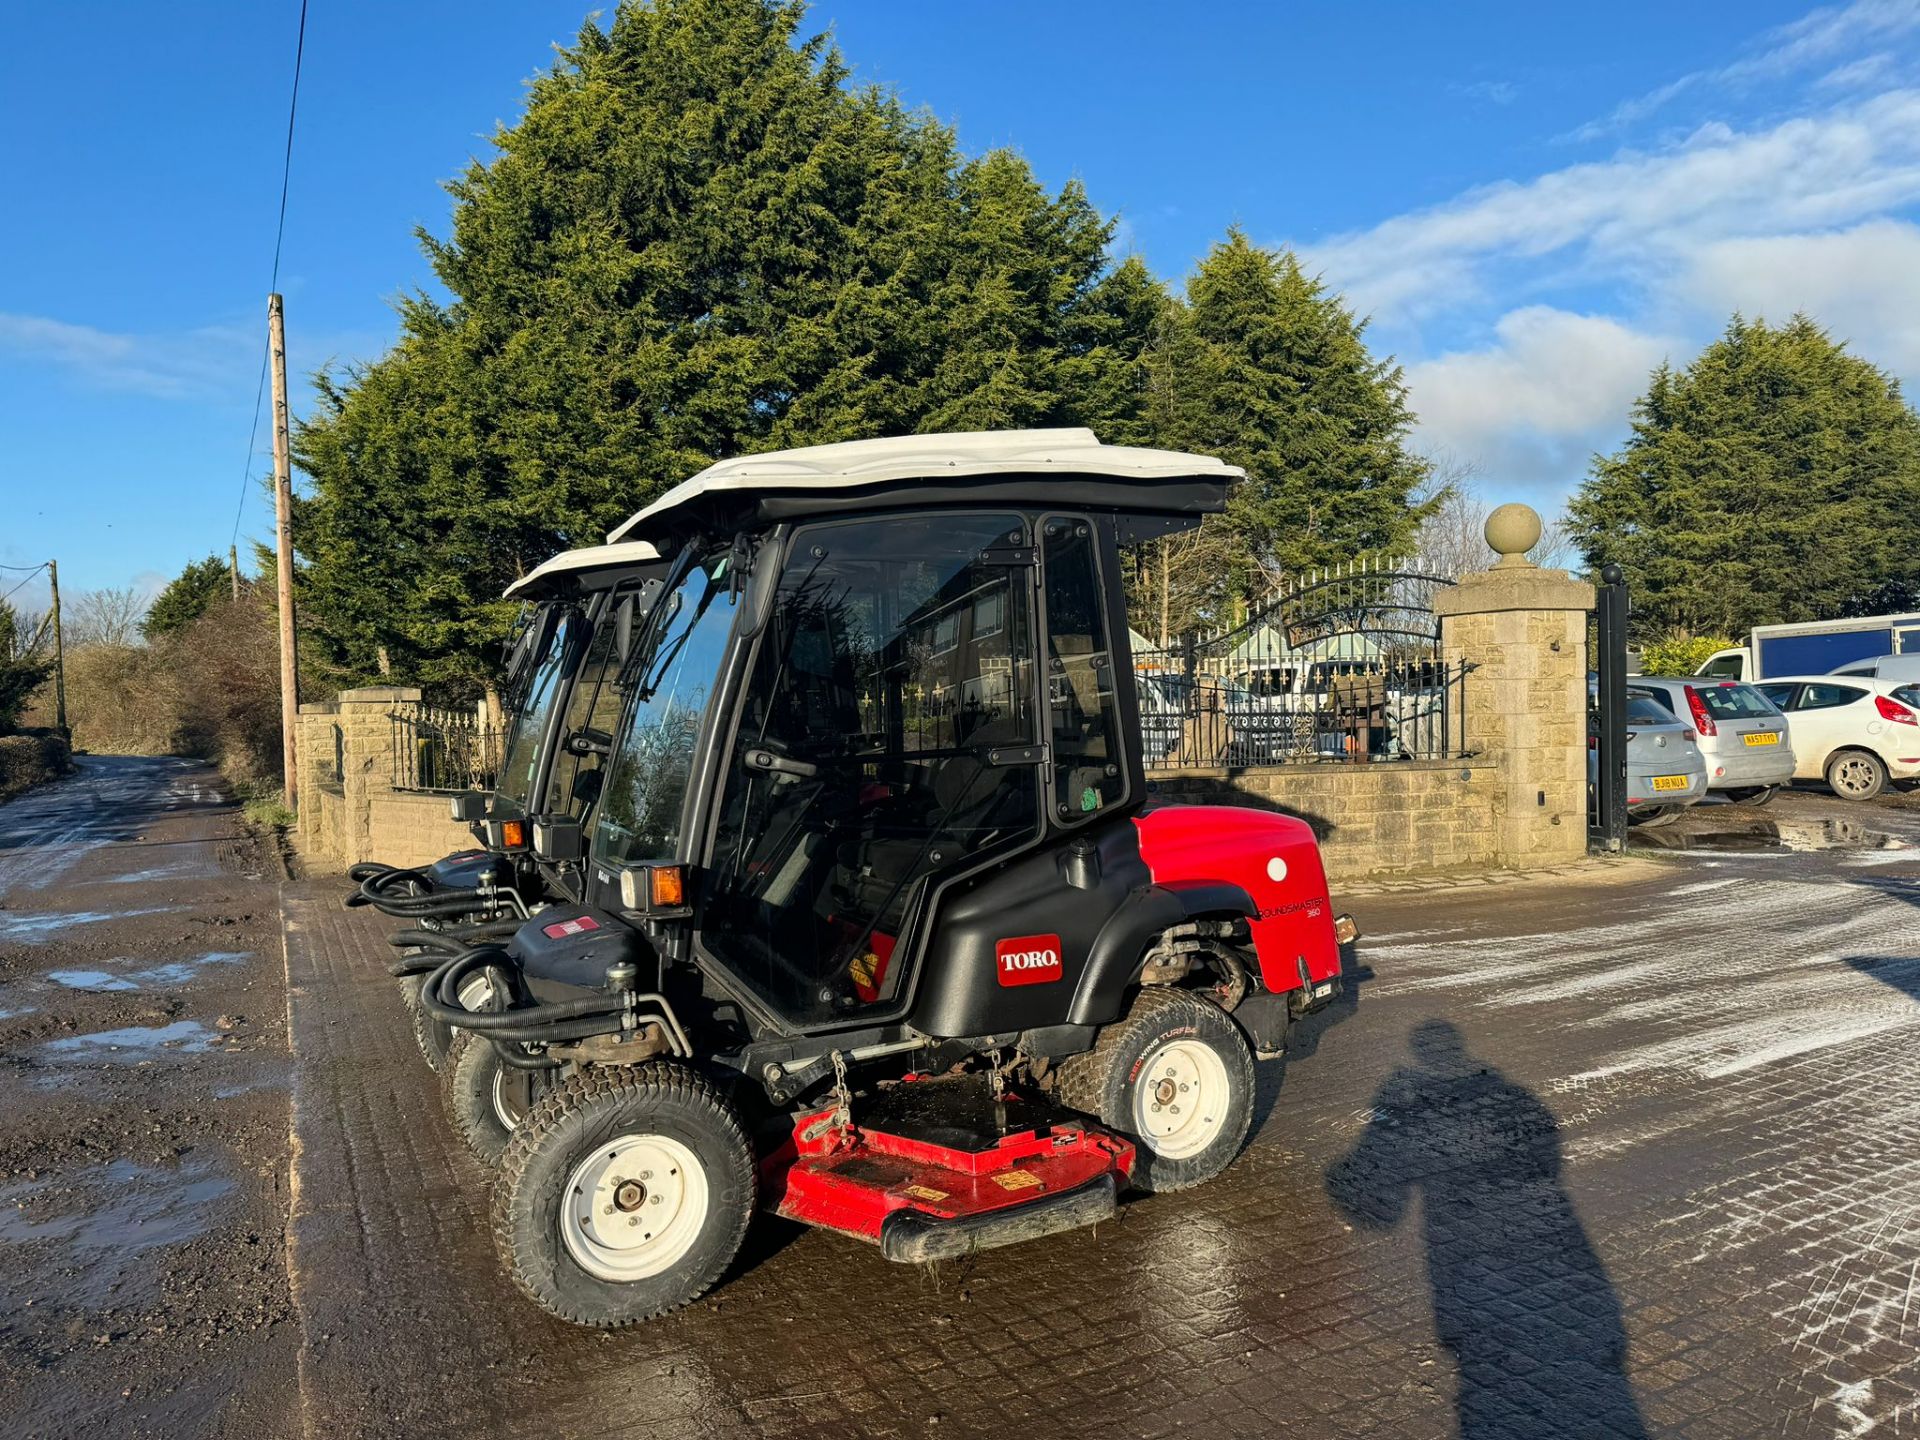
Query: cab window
[[886, 737], [1083, 716]]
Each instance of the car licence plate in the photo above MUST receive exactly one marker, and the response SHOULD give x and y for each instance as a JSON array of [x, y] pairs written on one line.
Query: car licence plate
[[1669, 782], [1764, 737]]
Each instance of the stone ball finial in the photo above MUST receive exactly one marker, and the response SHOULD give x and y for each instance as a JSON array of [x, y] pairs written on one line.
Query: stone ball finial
[[1512, 531]]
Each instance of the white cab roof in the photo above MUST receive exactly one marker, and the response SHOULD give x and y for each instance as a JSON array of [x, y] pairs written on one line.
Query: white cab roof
[[854, 463], [591, 557]]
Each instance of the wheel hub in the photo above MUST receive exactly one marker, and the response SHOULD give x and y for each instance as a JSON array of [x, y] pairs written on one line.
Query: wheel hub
[[635, 1207]]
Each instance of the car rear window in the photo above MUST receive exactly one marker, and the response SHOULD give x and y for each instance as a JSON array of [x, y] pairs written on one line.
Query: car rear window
[[1735, 702], [1908, 695], [1641, 710]]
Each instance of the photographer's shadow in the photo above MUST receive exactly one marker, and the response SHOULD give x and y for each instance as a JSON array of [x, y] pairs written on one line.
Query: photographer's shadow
[[1519, 1297]]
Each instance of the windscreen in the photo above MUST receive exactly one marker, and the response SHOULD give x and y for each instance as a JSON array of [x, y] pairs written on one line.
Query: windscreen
[[667, 684], [545, 672]]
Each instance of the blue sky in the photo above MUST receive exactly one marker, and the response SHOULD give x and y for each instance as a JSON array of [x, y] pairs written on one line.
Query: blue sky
[[1535, 204]]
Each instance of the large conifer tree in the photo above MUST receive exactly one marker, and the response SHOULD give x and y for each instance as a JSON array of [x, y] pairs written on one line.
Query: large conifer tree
[[1776, 478], [698, 241]]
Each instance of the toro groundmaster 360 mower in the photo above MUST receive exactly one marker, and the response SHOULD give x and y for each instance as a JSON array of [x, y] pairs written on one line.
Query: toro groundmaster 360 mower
[[878, 930], [585, 608]]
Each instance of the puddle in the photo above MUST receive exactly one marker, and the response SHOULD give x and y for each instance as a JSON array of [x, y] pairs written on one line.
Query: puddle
[[1768, 835], [180, 870], [136, 1043], [177, 972], [15, 1014], [101, 1224], [90, 980], [249, 1087], [34, 929]]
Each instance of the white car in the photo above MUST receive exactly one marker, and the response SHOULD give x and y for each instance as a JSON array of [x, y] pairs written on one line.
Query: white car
[[1901, 669], [1854, 732]]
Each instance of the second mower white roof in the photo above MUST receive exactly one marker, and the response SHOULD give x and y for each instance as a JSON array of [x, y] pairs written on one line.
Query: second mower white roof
[[590, 557], [853, 463]]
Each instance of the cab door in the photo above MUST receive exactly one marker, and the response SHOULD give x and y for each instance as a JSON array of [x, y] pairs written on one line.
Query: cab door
[[888, 737]]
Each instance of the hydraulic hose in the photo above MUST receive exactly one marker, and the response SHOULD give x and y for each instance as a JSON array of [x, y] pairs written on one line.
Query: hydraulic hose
[[439, 997]]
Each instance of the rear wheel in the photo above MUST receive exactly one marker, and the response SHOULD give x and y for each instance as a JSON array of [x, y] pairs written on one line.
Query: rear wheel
[[486, 1098], [1856, 775], [1752, 795], [1652, 817], [624, 1194], [1175, 1076]]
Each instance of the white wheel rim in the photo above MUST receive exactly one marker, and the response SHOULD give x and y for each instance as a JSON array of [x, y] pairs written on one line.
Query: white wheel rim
[[503, 1107], [1181, 1099], [474, 993], [634, 1207]]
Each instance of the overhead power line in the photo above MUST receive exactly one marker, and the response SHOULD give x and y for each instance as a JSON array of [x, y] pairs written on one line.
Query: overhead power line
[[273, 285]]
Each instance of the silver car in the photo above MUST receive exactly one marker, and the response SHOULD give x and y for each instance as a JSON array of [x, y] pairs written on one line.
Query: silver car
[[1742, 734], [1665, 770]]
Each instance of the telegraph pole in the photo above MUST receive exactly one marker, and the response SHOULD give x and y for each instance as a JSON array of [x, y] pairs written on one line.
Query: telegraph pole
[[59, 651], [233, 568], [283, 529]]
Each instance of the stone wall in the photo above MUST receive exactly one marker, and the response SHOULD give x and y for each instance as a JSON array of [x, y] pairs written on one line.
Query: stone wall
[[1390, 818], [349, 809]]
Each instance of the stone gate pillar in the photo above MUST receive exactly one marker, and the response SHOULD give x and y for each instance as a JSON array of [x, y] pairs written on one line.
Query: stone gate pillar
[[1525, 629]]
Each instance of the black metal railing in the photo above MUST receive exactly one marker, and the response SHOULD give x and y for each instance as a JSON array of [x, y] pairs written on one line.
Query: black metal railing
[[1350, 712], [443, 750]]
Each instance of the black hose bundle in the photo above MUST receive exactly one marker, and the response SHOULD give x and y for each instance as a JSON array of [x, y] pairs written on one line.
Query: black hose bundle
[[538, 1024]]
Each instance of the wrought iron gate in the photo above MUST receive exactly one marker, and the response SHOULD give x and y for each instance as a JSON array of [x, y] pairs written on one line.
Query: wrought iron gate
[[1343, 664]]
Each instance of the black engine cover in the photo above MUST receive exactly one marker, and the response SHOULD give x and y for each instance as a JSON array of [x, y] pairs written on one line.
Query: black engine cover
[[462, 869], [567, 949]]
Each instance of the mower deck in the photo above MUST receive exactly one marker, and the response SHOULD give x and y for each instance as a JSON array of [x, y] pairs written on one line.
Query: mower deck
[[934, 1169]]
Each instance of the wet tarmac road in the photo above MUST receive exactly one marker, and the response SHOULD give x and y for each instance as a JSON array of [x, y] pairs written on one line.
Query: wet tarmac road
[[143, 1112], [1635, 1153]]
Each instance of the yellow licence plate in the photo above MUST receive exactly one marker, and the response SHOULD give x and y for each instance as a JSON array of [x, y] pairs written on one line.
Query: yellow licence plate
[[1764, 737], [1669, 782]]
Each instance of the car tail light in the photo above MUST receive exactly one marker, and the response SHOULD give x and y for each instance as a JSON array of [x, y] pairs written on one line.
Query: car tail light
[[1893, 710], [1702, 721]]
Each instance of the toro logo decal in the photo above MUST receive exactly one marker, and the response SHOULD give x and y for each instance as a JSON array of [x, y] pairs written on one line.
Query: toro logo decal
[[1028, 960], [577, 926]]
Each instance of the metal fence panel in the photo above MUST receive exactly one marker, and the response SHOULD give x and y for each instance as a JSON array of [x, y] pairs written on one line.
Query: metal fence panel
[[437, 749]]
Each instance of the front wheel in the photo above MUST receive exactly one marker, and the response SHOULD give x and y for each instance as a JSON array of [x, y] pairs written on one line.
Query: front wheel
[[486, 1098], [624, 1194], [1856, 775], [1175, 1076]]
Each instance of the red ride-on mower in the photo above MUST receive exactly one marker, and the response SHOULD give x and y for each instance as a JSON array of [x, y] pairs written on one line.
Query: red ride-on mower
[[880, 931]]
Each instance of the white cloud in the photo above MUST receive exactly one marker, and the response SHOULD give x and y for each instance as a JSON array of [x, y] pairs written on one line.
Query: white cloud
[[1816, 38], [209, 362], [1527, 410], [166, 366], [1862, 284], [1638, 213]]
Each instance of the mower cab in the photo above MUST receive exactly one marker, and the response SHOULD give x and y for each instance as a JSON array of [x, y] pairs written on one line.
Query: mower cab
[[584, 607], [879, 926]]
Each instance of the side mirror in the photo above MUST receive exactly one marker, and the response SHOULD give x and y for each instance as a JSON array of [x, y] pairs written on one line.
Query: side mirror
[[558, 838], [469, 806], [586, 741], [623, 629]]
